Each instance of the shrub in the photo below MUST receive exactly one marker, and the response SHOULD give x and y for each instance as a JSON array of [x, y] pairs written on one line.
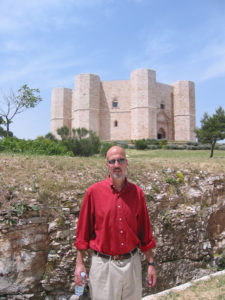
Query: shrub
[[180, 177], [105, 147], [163, 142], [11, 144], [172, 180], [83, 147], [141, 144], [83, 142], [204, 147], [192, 147], [153, 147], [153, 141], [183, 147], [37, 146], [46, 147], [122, 144], [172, 146], [50, 136], [191, 143]]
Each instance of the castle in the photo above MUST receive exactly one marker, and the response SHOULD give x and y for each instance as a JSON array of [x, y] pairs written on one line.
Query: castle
[[127, 109]]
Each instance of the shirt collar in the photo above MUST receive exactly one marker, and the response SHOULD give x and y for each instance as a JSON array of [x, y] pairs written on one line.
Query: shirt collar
[[109, 181]]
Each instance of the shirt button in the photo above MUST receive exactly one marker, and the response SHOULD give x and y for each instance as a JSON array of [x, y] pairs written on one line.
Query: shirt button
[[120, 219], [122, 244], [119, 206], [121, 231]]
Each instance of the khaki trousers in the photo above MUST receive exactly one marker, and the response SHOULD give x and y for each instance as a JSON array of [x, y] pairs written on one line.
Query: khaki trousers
[[115, 280]]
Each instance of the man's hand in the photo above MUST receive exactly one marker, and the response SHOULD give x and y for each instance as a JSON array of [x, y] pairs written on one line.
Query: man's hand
[[77, 278], [80, 268], [151, 277]]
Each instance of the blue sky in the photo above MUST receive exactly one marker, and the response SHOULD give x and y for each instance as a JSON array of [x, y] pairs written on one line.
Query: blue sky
[[46, 43]]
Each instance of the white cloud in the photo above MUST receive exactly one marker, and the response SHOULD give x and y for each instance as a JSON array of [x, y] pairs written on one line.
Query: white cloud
[[26, 14], [214, 69], [209, 61]]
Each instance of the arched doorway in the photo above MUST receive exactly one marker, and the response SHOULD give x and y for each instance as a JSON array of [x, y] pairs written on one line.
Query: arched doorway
[[161, 134]]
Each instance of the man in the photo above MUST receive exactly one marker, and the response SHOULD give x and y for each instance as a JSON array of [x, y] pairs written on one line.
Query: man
[[114, 222]]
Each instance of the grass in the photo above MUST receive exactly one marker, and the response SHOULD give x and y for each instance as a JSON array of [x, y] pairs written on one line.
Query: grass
[[178, 159], [212, 289]]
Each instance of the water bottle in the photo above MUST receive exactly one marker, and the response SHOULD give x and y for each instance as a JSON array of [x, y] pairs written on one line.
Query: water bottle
[[79, 289]]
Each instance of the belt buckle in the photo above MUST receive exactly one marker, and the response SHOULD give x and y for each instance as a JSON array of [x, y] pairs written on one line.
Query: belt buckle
[[116, 257]]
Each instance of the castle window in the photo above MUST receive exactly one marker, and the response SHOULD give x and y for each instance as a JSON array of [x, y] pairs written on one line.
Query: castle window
[[115, 123], [115, 103], [162, 106]]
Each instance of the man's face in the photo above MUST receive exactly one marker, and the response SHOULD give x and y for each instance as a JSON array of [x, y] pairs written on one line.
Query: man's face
[[116, 163]]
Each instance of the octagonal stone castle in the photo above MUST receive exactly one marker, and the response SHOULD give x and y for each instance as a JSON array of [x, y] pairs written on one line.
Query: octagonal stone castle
[[127, 109]]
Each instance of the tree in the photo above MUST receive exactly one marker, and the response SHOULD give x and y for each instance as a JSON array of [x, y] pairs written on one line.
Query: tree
[[81, 141], [50, 136], [13, 104], [2, 131], [63, 132], [212, 129]]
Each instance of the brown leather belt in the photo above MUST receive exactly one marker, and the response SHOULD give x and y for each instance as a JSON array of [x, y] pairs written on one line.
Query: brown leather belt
[[117, 257]]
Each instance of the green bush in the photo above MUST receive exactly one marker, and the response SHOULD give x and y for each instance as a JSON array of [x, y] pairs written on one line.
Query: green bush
[[47, 147], [183, 147], [105, 147], [12, 144], [163, 142], [37, 146], [152, 141], [141, 144], [192, 147], [153, 147], [172, 180], [83, 147], [172, 147], [204, 147], [122, 144], [191, 143], [83, 142], [51, 136]]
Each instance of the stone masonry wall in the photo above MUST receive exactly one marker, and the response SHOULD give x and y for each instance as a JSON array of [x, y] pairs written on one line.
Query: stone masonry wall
[[184, 110], [61, 113], [115, 91]]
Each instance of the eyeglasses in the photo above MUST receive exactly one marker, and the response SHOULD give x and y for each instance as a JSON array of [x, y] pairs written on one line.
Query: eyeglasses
[[119, 160]]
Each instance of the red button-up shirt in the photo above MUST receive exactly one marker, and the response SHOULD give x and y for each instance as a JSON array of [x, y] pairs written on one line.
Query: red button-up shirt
[[113, 222]]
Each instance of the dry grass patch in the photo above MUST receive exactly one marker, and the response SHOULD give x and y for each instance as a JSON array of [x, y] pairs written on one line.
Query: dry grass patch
[[178, 159], [43, 178], [212, 289]]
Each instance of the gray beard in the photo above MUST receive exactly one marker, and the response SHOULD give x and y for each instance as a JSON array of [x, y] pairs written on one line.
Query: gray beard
[[117, 176]]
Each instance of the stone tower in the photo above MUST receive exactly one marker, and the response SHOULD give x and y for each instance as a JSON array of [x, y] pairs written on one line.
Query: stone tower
[[184, 110], [61, 109], [86, 102], [143, 104]]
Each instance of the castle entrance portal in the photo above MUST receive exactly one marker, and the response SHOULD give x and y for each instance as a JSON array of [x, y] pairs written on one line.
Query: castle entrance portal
[[161, 134]]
